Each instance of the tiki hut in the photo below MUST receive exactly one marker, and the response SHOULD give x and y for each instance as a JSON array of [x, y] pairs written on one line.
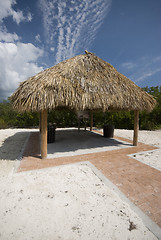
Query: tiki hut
[[84, 82]]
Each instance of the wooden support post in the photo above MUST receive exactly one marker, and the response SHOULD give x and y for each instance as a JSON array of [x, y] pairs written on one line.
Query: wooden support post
[[78, 124], [85, 123], [44, 134], [91, 120], [40, 122], [136, 127]]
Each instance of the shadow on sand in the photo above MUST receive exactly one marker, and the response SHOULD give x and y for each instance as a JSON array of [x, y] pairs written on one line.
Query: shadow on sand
[[68, 142], [32, 148], [13, 145]]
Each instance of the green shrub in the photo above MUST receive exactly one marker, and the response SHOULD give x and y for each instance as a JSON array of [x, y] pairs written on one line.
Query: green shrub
[[2, 124]]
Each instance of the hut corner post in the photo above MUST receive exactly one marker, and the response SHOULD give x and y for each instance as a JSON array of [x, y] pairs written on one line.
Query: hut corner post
[[136, 127], [91, 120], [44, 134]]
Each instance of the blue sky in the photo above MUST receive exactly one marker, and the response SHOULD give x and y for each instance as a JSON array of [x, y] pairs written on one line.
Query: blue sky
[[37, 34]]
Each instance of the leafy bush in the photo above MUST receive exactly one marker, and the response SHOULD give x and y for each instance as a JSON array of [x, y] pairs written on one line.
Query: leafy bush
[[2, 124]]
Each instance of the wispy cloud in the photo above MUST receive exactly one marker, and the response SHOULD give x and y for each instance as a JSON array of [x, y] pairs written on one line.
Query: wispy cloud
[[149, 73], [156, 59], [37, 38], [142, 69], [129, 65], [70, 25]]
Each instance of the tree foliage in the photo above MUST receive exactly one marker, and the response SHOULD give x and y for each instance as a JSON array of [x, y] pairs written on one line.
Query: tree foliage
[[68, 118], [124, 119], [10, 118], [152, 120]]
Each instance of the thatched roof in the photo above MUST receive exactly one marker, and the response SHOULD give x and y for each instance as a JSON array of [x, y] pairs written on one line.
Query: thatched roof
[[83, 82]]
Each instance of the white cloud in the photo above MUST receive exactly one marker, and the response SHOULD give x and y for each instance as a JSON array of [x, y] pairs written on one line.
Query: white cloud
[[17, 16], [71, 26], [52, 49], [6, 10], [29, 17], [17, 60], [8, 37], [37, 37], [17, 63]]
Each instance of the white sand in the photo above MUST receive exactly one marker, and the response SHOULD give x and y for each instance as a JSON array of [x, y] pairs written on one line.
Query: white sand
[[66, 202], [152, 158]]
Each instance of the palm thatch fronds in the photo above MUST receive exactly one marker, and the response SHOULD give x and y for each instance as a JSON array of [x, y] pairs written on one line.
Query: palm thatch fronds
[[84, 82]]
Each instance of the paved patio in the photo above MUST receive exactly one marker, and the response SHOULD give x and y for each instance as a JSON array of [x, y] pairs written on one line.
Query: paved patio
[[139, 182]]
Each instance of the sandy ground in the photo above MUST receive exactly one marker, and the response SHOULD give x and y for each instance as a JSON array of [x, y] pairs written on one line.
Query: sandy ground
[[67, 202]]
